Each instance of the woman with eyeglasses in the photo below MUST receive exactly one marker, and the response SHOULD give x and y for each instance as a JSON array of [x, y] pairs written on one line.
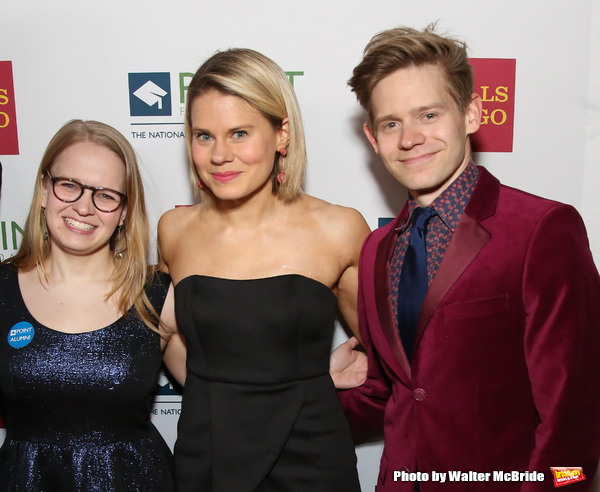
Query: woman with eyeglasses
[[80, 344]]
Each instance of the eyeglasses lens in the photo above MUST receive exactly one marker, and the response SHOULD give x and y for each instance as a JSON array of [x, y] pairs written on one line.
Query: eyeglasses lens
[[104, 200]]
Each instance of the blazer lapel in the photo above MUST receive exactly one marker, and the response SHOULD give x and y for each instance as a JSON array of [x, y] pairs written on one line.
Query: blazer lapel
[[382, 295], [468, 239]]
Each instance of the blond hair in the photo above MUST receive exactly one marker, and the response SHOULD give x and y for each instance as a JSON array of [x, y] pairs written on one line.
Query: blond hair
[[131, 270], [260, 82], [405, 47]]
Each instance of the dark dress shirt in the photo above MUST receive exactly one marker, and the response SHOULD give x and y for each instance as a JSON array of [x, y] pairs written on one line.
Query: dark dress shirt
[[449, 206]]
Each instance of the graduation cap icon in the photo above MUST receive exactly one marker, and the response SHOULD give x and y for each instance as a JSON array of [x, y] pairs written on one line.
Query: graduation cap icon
[[151, 94]]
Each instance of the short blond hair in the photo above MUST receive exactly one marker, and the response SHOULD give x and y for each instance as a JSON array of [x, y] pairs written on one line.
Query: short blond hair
[[260, 82], [403, 47]]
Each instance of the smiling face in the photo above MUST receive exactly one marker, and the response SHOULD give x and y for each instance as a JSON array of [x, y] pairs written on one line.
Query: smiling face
[[79, 228], [419, 132], [233, 146]]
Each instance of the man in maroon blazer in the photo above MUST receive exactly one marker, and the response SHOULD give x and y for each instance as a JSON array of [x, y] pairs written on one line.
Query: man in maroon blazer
[[498, 380]]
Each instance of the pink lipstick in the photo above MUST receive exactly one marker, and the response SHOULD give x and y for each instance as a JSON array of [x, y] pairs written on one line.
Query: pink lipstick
[[226, 176]]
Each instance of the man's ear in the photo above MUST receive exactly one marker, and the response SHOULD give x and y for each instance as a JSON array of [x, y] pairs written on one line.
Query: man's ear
[[473, 114], [371, 137]]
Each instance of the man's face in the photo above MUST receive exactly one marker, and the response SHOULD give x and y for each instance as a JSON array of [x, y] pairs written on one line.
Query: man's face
[[419, 132]]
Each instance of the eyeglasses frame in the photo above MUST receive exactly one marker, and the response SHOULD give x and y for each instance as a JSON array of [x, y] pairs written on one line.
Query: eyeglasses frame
[[84, 187]]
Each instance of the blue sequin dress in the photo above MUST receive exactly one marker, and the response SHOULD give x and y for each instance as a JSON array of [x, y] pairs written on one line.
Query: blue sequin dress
[[77, 406]]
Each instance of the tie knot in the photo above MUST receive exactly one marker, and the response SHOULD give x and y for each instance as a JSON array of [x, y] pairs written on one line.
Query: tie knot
[[421, 216]]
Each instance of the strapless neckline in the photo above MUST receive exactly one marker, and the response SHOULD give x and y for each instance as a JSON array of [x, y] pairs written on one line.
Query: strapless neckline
[[259, 279], [259, 405]]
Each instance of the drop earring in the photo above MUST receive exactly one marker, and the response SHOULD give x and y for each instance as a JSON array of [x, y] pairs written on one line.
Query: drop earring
[[119, 251], [281, 175], [45, 233]]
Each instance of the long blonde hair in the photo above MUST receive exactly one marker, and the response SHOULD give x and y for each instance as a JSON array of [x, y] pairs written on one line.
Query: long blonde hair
[[131, 270]]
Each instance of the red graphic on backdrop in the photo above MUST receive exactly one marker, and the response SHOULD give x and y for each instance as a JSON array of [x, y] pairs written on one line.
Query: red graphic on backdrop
[[9, 141], [495, 83]]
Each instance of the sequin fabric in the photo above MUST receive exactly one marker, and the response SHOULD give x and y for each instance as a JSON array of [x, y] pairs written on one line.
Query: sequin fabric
[[449, 206], [77, 406]]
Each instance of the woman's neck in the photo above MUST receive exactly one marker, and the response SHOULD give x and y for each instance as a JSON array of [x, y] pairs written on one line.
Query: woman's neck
[[64, 267]]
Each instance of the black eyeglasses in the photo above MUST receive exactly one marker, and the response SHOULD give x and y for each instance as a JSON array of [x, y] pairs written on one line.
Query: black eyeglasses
[[68, 190]]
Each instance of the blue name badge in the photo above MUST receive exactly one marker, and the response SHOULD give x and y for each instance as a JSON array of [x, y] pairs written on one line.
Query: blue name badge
[[20, 334]]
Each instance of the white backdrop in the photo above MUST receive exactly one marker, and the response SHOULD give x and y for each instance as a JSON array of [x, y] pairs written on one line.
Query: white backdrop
[[72, 59]]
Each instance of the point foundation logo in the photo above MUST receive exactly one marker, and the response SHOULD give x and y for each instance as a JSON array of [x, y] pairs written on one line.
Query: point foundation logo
[[150, 94], [11, 234], [157, 103]]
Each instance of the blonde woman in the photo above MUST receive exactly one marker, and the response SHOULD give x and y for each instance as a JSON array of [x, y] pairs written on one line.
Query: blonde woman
[[260, 270], [80, 349]]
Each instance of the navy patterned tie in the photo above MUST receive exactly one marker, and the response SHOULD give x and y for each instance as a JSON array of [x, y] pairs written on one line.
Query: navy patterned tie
[[413, 279]]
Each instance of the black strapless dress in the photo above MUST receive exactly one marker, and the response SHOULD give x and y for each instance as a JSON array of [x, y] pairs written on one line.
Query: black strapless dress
[[260, 412], [78, 405]]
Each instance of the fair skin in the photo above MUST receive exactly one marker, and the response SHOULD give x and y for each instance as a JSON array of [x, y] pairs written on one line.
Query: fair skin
[[419, 132], [233, 148], [422, 138], [80, 262]]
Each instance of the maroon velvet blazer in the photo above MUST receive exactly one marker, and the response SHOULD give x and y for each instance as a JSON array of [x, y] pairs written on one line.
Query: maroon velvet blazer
[[506, 366]]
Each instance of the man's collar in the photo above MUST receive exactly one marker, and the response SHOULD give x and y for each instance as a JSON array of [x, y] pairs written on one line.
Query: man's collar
[[451, 203]]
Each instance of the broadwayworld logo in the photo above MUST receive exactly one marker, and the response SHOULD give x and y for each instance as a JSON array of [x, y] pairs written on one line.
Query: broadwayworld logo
[[150, 94], [564, 475]]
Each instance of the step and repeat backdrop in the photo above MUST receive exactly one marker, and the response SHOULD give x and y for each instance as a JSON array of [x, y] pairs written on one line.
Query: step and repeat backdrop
[[128, 63]]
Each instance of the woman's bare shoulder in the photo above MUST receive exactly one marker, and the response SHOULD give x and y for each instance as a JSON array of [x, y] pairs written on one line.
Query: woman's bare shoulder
[[177, 218], [337, 219], [172, 226]]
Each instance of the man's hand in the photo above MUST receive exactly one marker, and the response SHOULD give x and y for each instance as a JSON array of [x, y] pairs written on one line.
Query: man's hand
[[348, 367]]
